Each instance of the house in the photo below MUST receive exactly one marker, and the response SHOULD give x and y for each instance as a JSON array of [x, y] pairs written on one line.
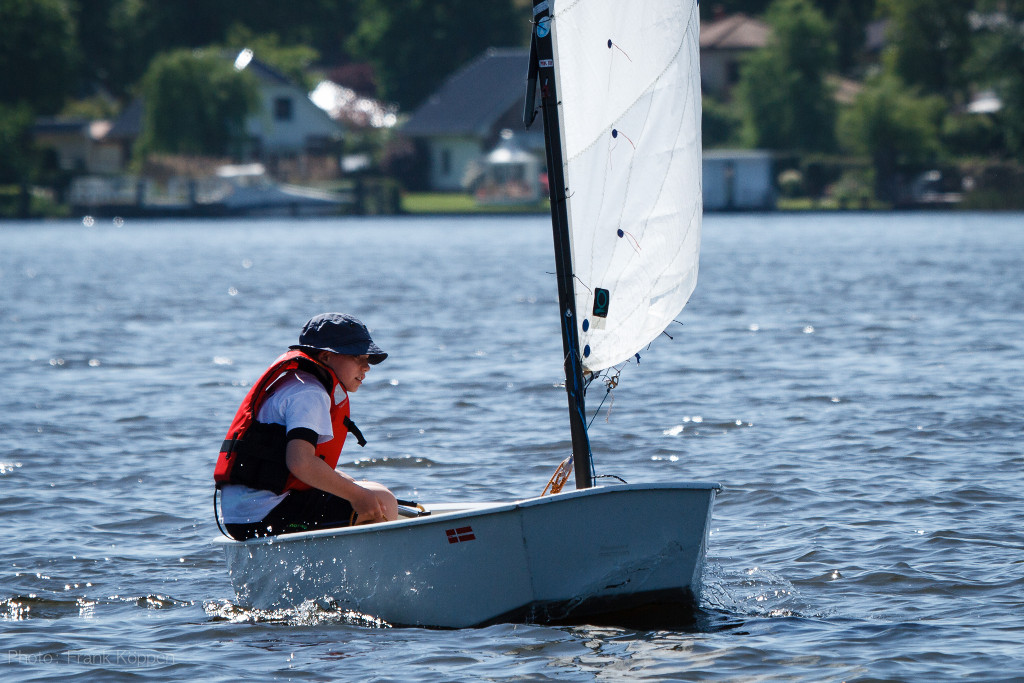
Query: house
[[463, 120], [78, 145], [288, 126], [723, 42]]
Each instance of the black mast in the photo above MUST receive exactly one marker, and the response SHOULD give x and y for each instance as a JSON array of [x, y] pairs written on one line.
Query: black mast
[[542, 68]]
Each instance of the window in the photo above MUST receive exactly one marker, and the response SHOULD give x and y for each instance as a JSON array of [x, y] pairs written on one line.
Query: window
[[283, 109]]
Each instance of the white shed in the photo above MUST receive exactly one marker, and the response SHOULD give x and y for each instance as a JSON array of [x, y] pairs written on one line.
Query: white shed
[[738, 180]]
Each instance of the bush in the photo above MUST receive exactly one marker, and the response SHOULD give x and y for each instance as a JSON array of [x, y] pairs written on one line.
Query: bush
[[853, 189], [720, 125], [791, 183]]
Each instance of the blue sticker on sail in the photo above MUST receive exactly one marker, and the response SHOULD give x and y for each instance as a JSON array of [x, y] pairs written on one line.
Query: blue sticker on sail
[[602, 297], [544, 27]]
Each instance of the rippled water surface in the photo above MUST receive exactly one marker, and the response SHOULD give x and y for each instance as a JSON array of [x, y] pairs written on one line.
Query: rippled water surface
[[854, 381]]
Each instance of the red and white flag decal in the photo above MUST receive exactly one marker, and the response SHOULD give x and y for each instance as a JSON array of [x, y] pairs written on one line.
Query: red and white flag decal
[[460, 535]]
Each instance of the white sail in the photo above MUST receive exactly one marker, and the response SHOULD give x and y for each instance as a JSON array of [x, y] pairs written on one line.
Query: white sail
[[628, 78]]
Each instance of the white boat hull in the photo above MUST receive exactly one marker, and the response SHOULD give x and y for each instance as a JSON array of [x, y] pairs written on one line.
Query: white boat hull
[[583, 554]]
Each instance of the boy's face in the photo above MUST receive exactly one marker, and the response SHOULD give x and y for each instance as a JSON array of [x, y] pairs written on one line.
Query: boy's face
[[351, 370]]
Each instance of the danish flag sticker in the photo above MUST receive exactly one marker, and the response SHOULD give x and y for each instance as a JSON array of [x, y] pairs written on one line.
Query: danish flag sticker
[[460, 534]]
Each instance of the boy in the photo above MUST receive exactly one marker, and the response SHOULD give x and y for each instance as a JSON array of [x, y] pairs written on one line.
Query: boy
[[276, 466]]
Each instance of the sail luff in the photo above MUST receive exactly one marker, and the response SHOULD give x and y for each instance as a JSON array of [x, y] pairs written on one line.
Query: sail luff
[[572, 362]]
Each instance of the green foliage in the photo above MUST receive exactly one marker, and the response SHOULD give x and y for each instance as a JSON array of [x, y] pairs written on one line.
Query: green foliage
[[966, 135], [119, 38], [889, 118], [995, 187], [36, 39], [93, 108], [15, 146], [929, 42], [415, 44], [788, 104], [894, 126], [849, 19], [791, 183], [853, 189], [293, 61], [998, 63], [721, 123], [195, 103]]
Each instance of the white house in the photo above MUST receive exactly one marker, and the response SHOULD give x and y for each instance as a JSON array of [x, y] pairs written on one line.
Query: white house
[[724, 40], [288, 122]]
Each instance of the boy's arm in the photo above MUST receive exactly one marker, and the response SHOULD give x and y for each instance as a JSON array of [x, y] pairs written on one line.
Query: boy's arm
[[301, 459]]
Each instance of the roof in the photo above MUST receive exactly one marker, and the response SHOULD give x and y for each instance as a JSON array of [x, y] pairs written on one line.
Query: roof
[[128, 125], [261, 70], [475, 97], [55, 125], [734, 32], [738, 154]]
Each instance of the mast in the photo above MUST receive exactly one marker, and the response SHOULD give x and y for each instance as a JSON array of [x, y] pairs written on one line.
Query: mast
[[542, 68]]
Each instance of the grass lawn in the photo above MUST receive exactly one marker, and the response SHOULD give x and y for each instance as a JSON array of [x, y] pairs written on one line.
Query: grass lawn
[[445, 202]]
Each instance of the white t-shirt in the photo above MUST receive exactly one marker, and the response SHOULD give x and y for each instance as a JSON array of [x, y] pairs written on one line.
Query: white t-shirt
[[300, 402]]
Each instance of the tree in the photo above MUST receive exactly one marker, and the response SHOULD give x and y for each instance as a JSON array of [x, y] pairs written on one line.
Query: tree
[[997, 63], [929, 42], [894, 126], [37, 53], [849, 19], [15, 143], [196, 102], [293, 61], [788, 105], [415, 44], [720, 123]]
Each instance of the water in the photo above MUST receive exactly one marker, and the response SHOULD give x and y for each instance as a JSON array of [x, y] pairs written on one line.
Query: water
[[854, 381]]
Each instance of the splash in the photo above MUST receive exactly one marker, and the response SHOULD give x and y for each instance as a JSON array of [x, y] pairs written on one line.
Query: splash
[[309, 613]]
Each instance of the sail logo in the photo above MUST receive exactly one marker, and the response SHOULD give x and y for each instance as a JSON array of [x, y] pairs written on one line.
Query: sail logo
[[602, 297], [460, 535], [543, 27]]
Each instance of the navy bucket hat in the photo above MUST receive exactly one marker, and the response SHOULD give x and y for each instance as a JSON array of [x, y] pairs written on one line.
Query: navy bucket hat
[[339, 333]]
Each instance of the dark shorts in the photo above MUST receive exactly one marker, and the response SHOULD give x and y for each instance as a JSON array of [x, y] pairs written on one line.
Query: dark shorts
[[299, 511]]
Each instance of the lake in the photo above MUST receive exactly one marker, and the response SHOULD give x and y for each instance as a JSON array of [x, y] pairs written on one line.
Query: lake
[[853, 380]]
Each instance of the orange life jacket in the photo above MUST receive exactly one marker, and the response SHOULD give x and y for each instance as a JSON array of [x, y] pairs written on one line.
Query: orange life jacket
[[253, 453]]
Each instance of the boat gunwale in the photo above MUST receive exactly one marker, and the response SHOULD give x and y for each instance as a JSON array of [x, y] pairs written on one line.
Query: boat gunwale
[[467, 509]]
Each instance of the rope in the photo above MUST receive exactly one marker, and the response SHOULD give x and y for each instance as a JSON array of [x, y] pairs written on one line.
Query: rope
[[610, 382], [559, 478]]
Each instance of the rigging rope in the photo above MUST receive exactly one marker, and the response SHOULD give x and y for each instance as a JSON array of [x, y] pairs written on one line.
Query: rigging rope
[[559, 478]]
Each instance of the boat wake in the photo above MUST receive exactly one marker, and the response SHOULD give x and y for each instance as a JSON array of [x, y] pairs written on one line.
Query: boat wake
[[756, 593], [33, 606], [309, 613]]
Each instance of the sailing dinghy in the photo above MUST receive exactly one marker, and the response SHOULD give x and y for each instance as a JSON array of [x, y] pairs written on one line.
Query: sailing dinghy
[[619, 92]]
